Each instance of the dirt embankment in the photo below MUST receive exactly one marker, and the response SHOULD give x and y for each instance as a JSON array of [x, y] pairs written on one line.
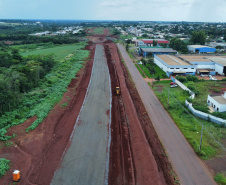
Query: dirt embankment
[[38, 153]]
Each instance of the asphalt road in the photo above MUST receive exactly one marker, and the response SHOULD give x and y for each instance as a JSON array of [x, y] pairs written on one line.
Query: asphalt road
[[189, 168], [86, 160]]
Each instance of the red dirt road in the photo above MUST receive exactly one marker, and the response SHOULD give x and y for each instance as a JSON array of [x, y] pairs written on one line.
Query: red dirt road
[[189, 168]]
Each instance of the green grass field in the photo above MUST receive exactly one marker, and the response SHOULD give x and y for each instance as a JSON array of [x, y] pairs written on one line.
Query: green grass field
[[60, 52], [99, 30]]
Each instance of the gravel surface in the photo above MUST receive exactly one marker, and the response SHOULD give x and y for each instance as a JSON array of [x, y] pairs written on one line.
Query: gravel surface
[[86, 159], [189, 168]]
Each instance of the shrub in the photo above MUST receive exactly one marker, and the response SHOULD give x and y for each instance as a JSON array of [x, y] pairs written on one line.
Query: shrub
[[223, 79], [220, 179], [4, 166], [202, 108], [181, 78], [189, 100], [192, 78]]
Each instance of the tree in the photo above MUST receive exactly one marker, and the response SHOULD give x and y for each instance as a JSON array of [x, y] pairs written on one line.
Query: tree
[[198, 37], [127, 47], [155, 43]]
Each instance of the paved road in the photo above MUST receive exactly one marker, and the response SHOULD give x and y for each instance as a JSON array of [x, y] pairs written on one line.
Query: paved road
[[189, 168], [86, 160]]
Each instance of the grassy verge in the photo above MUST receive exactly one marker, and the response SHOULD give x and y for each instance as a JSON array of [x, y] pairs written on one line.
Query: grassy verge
[[4, 166], [220, 179], [41, 100], [99, 30], [141, 72], [187, 123]]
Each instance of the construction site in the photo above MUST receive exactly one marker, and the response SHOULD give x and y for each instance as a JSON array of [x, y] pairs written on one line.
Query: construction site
[[112, 131]]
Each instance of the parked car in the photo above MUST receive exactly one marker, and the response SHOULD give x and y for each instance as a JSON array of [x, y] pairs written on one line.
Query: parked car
[[174, 85]]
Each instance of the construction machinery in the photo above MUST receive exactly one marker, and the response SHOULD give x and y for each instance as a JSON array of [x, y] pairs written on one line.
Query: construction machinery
[[118, 91]]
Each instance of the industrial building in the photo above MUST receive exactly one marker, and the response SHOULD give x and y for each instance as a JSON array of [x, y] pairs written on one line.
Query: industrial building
[[155, 50], [200, 49], [173, 65], [192, 64]]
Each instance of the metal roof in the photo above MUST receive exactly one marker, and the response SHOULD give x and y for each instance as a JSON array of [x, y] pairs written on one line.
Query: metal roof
[[172, 60], [159, 50], [219, 99], [199, 46], [219, 60]]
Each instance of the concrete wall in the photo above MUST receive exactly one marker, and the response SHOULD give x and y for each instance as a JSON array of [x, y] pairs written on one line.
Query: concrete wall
[[204, 115], [219, 69]]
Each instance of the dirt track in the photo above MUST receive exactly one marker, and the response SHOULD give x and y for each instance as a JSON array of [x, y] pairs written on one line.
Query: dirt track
[[187, 165]]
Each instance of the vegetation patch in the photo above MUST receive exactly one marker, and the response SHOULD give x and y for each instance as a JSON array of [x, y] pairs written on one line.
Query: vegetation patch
[[47, 90], [4, 166], [173, 99], [220, 179]]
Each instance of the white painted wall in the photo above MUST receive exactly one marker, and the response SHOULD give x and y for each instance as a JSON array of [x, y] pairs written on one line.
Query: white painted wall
[[219, 69], [205, 66], [161, 65]]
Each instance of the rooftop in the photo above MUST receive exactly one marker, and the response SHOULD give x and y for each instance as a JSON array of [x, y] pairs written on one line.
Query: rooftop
[[199, 46], [219, 99], [159, 50]]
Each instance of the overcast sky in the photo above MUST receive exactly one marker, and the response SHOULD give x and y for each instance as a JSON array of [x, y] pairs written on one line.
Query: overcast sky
[[142, 10]]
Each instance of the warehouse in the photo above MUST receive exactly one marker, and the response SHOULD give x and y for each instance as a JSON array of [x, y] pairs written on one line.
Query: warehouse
[[173, 65], [213, 64], [200, 49], [155, 50]]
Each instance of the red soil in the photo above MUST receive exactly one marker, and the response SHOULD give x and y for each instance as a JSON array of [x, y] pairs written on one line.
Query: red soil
[[38, 153]]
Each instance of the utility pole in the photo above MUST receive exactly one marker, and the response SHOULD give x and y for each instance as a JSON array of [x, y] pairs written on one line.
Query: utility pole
[[200, 146], [168, 100]]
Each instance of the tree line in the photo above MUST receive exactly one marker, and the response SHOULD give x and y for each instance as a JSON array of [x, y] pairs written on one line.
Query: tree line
[[19, 75]]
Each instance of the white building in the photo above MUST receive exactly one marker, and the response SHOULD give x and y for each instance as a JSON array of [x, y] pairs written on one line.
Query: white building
[[217, 102], [174, 65]]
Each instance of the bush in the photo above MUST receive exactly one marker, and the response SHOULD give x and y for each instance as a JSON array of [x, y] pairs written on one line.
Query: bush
[[189, 100], [181, 78], [202, 108], [4, 166], [192, 78], [223, 79], [220, 179]]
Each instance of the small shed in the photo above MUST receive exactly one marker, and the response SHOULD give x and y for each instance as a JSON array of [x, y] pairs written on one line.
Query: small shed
[[217, 102]]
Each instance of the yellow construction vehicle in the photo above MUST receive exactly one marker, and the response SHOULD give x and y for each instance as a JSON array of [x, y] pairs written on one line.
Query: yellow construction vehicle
[[118, 91]]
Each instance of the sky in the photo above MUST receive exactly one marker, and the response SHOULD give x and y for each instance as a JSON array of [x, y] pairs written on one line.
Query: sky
[[138, 10]]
